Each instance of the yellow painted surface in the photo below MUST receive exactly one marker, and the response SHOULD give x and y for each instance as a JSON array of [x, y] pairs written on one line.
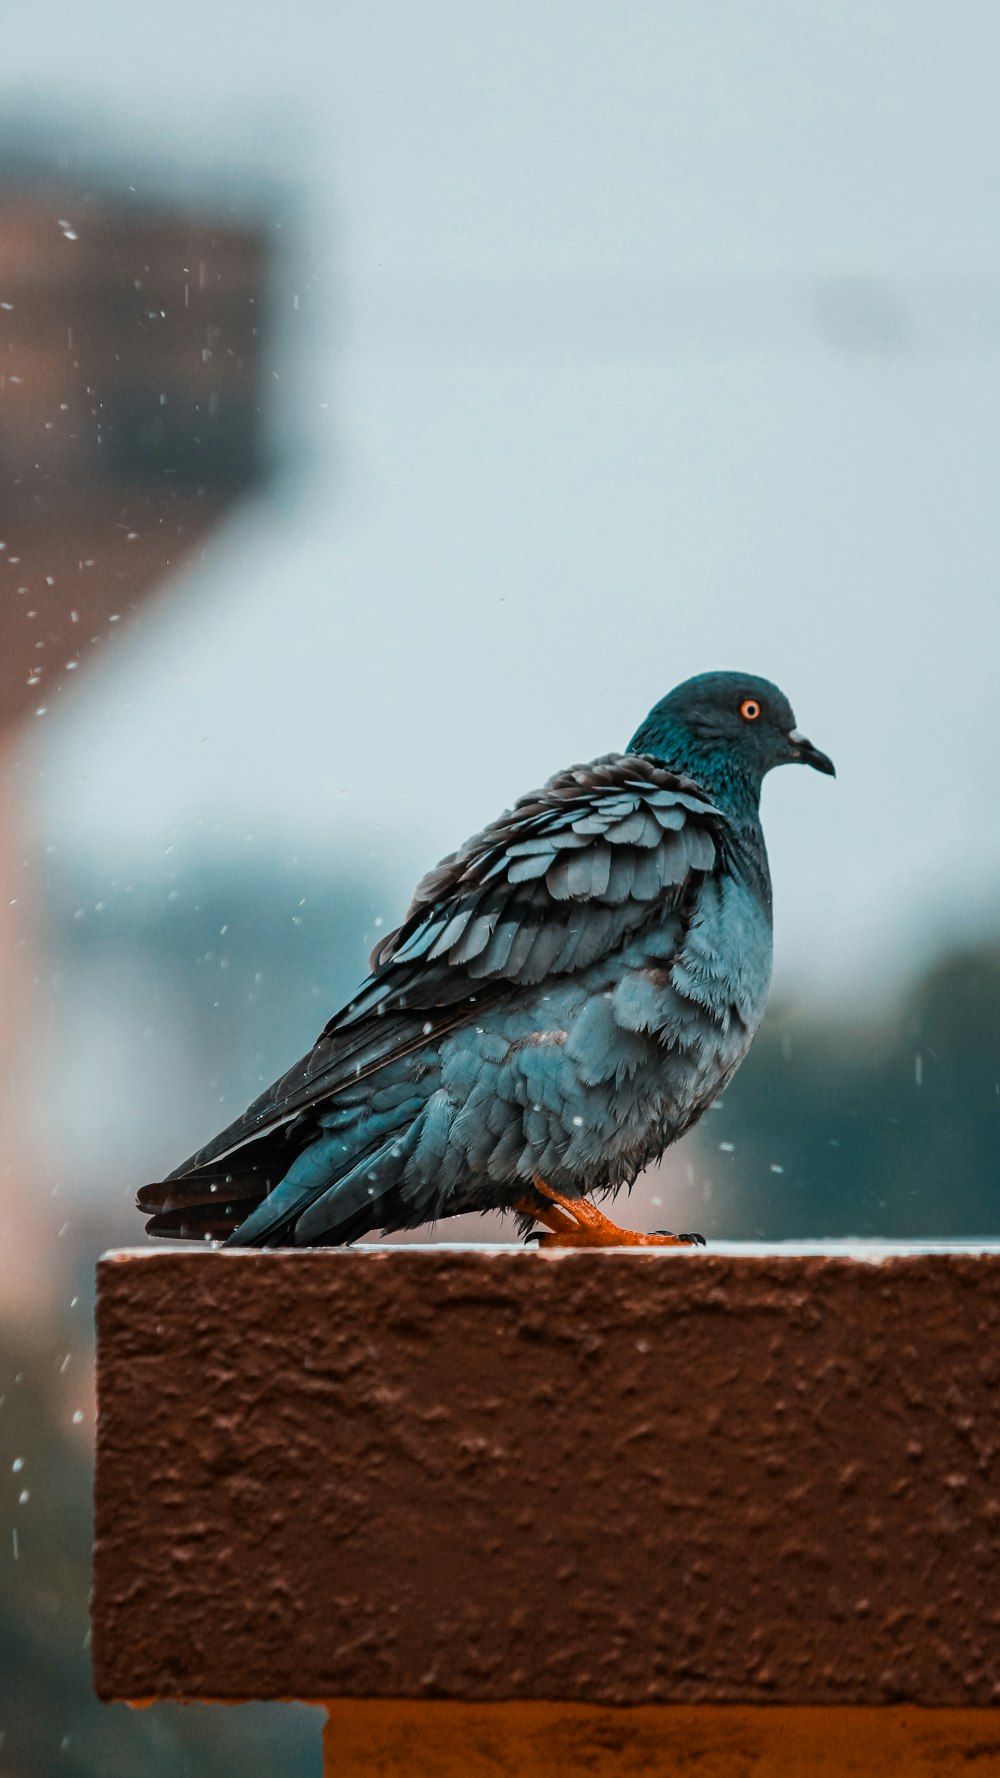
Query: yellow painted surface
[[379, 1739]]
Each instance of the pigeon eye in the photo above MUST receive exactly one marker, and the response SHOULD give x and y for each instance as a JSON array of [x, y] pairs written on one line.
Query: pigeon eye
[[750, 709]]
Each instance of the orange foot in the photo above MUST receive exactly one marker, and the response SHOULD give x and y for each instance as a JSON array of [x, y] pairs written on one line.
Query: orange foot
[[576, 1222]]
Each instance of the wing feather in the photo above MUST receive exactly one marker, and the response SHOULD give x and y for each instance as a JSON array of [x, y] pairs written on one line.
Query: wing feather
[[557, 882]]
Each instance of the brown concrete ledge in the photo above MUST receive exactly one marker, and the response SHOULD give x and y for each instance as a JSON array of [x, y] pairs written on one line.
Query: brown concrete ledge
[[605, 1479]]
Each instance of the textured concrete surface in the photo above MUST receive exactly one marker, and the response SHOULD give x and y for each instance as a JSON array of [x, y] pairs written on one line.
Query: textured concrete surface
[[612, 1478]]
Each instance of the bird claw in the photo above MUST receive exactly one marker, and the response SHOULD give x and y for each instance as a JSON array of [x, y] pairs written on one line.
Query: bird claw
[[689, 1240]]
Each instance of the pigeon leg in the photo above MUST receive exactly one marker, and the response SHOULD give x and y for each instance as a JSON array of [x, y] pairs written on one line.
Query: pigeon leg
[[550, 1216], [576, 1222]]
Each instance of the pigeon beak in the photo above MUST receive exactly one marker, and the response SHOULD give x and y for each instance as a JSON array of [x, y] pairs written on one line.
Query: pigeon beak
[[806, 754]]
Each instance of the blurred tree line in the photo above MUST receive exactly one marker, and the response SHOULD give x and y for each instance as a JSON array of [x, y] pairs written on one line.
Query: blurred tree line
[[884, 1123]]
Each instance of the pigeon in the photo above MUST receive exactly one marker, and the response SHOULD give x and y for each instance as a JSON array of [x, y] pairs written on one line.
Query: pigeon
[[567, 994]]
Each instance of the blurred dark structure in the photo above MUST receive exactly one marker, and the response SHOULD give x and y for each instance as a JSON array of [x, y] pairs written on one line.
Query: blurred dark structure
[[132, 339], [51, 1725]]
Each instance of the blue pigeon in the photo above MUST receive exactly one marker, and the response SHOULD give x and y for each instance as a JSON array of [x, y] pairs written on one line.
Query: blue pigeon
[[567, 994]]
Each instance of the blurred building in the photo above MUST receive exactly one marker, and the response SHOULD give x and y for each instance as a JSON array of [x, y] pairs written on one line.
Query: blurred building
[[133, 339]]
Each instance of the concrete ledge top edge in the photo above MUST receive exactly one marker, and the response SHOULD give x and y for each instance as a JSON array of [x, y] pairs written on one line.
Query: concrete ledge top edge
[[866, 1251]]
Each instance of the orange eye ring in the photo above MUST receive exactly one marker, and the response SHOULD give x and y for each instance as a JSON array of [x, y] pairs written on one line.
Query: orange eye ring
[[750, 709]]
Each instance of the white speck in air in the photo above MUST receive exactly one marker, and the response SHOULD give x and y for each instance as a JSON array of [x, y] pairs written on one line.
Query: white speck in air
[[727, 1147], [775, 1168], [578, 1122], [17, 1465], [428, 1028], [918, 1070]]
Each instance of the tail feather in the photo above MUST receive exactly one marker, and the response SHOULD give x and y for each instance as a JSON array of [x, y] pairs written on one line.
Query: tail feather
[[328, 1196], [199, 1222], [207, 1202], [211, 1189], [338, 1186]]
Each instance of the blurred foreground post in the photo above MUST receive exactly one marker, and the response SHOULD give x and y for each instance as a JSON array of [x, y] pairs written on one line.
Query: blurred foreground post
[[547, 1513]]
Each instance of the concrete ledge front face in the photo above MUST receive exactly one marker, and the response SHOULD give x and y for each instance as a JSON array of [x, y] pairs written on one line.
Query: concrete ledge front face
[[605, 1478]]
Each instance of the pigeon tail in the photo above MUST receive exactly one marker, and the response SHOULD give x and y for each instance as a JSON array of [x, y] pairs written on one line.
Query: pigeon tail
[[323, 1202]]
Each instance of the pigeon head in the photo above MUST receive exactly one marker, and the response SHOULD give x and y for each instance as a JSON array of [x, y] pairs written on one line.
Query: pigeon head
[[727, 729]]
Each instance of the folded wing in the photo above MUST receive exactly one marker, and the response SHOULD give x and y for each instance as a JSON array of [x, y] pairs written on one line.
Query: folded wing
[[553, 885]]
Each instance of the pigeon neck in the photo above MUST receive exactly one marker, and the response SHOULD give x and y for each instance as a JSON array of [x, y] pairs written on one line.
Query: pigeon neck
[[733, 785]]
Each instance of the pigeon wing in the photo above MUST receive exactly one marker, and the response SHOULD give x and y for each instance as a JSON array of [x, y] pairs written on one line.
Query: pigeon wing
[[554, 884]]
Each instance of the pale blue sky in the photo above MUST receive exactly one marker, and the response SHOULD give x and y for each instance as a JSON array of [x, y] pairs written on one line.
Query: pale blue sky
[[631, 340]]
